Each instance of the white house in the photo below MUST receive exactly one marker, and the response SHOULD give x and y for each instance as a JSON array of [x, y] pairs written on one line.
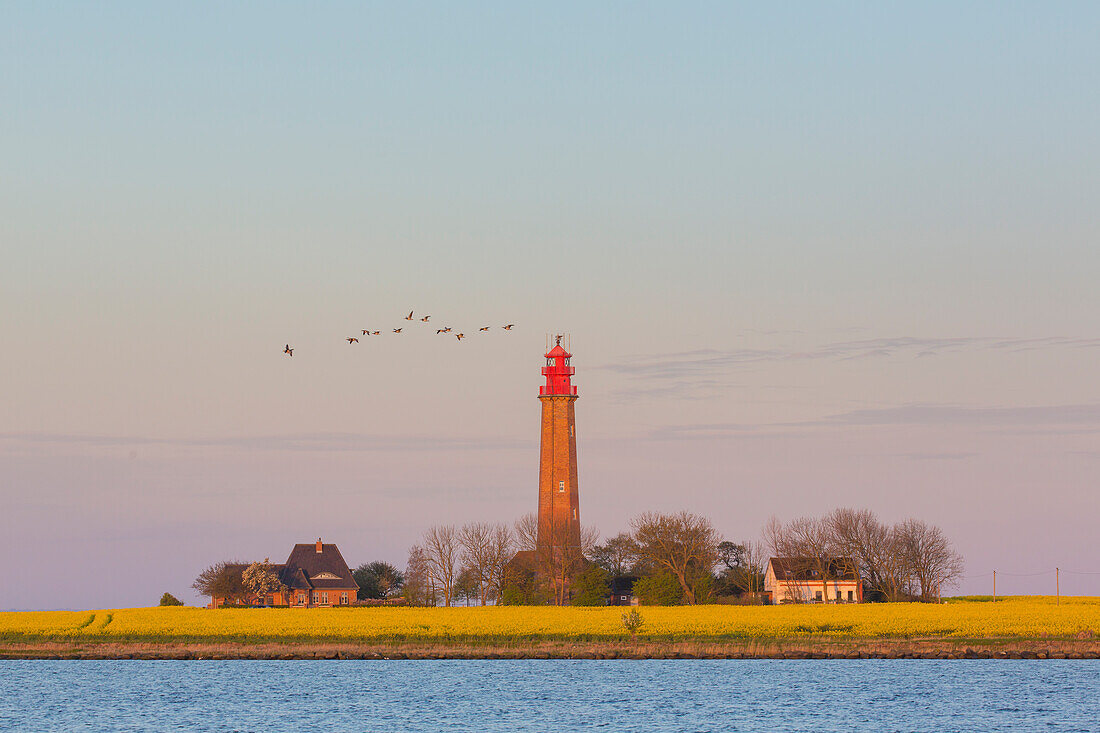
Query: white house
[[812, 580]]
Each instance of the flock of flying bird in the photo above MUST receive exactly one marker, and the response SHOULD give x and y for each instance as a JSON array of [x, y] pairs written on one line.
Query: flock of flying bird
[[411, 317]]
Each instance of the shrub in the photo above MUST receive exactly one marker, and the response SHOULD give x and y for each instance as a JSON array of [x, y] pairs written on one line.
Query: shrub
[[170, 600], [590, 588], [633, 621], [660, 589]]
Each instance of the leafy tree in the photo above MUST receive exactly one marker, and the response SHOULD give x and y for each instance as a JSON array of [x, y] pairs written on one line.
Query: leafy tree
[[520, 588], [703, 582], [731, 554], [660, 589], [170, 600], [467, 585], [591, 587], [617, 555], [222, 580], [742, 569], [683, 544], [378, 580]]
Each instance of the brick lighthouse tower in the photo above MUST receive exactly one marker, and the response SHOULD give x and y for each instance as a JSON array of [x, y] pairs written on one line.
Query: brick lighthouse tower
[[559, 530]]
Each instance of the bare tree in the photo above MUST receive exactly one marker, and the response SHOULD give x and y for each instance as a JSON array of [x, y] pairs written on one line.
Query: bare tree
[[685, 544], [590, 537], [931, 560], [476, 539], [557, 560], [560, 561], [756, 558], [527, 532], [807, 545], [907, 560], [500, 552], [441, 549]]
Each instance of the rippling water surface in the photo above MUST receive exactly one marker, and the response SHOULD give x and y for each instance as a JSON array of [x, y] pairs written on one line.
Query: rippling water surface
[[674, 695]]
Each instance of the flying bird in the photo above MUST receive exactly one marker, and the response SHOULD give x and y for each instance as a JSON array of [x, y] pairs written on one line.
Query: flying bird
[[288, 350], [425, 318], [445, 329], [508, 327], [409, 317], [366, 332], [352, 340], [460, 336], [483, 328], [375, 333], [397, 330]]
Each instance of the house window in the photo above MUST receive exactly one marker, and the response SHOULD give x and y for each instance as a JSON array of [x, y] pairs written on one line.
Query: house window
[[324, 598], [561, 486], [622, 598], [316, 597], [851, 596], [301, 599], [344, 599], [817, 596]]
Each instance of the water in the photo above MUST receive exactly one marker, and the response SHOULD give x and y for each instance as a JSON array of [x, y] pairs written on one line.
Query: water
[[483, 696]]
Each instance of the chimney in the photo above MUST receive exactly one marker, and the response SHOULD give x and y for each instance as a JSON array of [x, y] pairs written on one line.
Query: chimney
[[318, 545]]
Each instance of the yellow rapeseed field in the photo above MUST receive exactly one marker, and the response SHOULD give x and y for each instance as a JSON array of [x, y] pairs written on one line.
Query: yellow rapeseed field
[[1015, 617]]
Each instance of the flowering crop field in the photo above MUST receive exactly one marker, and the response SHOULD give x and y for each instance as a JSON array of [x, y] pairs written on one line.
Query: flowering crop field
[[1013, 617]]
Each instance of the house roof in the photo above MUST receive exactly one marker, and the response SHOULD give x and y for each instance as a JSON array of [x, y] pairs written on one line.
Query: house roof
[[523, 561], [623, 585], [809, 568], [306, 568]]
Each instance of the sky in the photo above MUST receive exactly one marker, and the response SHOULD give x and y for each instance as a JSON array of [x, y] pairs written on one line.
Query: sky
[[807, 256]]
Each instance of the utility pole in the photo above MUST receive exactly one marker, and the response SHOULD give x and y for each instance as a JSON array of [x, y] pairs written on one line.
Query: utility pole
[[994, 586], [1057, 587]]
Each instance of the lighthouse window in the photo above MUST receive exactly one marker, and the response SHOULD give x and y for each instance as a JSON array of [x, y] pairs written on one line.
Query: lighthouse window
[[574, 512], [561, 486], [570, 431]]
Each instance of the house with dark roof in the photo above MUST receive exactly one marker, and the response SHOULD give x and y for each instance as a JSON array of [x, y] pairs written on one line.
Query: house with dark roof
[[622, 591], [315, 575], [812, 580]]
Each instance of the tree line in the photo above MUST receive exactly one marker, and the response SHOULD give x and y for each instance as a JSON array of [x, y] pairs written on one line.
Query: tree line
[[666, 559], [673, 558]]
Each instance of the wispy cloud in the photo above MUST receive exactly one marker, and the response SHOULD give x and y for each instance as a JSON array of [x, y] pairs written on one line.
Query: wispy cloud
[[944, 456], [310, 442], [925, 414], [1049, 418], [712, 364]]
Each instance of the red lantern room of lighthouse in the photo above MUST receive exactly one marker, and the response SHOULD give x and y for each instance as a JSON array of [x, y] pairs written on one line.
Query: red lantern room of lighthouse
[[559, 522]]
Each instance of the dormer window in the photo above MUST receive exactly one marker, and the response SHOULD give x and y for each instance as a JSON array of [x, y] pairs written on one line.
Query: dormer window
[[324, 576]]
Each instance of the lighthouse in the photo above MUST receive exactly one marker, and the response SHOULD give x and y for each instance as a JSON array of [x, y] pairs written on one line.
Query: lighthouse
[[559, 520]]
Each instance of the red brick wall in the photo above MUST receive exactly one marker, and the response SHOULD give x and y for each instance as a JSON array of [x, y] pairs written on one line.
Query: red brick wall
[[559, 499]]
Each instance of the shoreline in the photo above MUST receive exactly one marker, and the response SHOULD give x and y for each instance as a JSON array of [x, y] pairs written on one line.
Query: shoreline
[[641, 649]]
